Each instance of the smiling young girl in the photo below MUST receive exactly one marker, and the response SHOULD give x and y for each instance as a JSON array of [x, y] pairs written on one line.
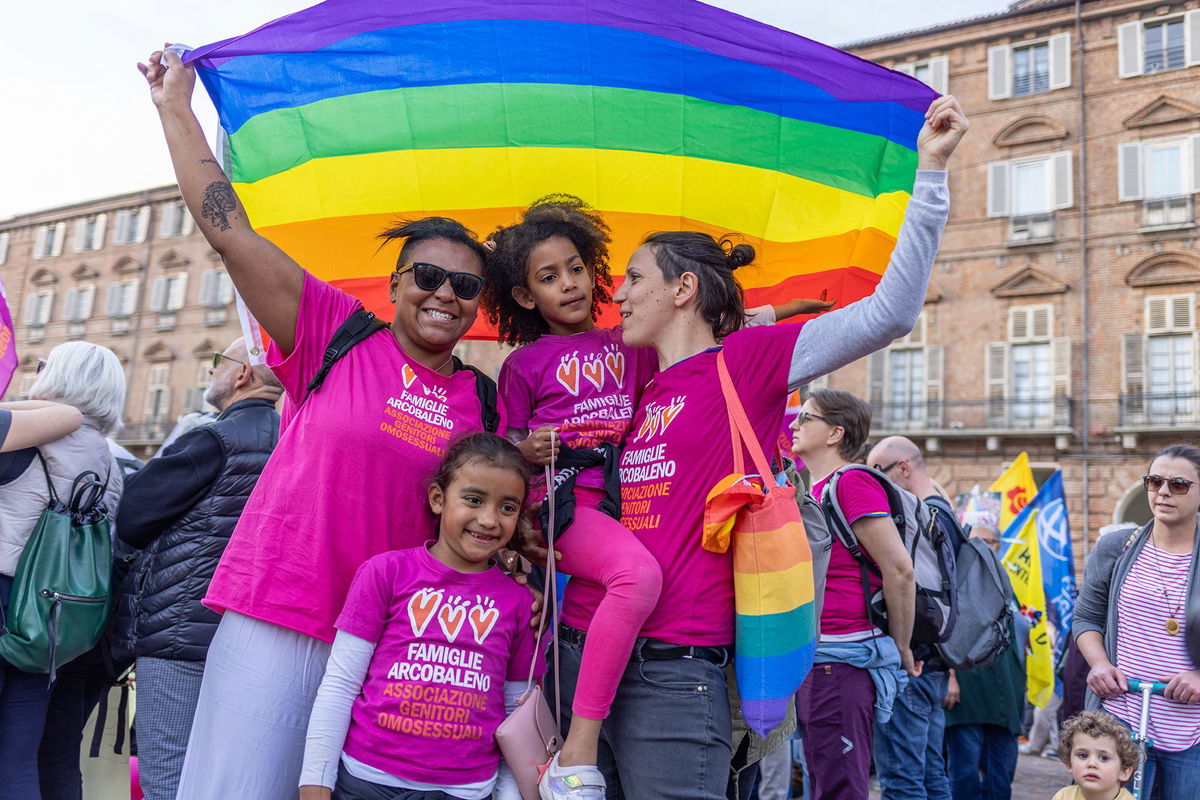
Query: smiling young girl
[[432, 645], [576, 384]]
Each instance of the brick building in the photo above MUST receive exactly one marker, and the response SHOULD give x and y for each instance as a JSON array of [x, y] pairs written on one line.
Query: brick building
[[1061, 318]]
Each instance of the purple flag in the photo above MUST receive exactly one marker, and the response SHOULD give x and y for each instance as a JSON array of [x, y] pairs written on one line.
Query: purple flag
[[8, 350]]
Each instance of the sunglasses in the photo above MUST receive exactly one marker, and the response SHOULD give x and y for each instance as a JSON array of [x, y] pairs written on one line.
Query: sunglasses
[[805, 416], [892, 465], [429, 277], [41, 365], [219, 357], [1176, 485]]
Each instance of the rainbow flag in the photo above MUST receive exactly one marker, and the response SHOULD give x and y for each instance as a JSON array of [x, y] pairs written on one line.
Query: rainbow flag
[[664, 116], [8, 350]]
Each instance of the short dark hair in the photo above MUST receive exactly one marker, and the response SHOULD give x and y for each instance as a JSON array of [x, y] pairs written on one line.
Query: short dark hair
[[1184, 451], [1096, 724], [712, 261], [852, 414], [507, 264], [487, 447], [426, 229]]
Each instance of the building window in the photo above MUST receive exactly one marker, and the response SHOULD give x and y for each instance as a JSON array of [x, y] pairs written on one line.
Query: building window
[[1162, 174], [89, 232], [176, 220], [1018, 70], [158, 393], [170, 292], [122, 304], [1028, 377], [48, 240], [3, 246], [1028, 191], [25, 385], [1160, 365], [132, 225], [905, 382], [193, 400], [933, 72], [37, 308], [1154, 45], [80, 300]]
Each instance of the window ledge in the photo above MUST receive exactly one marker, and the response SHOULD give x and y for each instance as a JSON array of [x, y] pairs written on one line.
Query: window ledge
[[1175, 226], [1029, 242]]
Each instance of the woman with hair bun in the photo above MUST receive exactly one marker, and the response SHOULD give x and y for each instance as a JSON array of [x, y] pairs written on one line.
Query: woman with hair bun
[[1130, 620], [668, 734]]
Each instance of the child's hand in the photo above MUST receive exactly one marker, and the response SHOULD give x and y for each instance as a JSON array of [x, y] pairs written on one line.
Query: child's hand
[[315, 793], [540, 445]]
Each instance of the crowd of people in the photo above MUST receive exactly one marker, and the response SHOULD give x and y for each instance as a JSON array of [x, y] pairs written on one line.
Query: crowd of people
[[318, 606]]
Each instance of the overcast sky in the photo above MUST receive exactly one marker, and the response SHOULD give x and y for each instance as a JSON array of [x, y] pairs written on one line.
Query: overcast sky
[[76, 120]]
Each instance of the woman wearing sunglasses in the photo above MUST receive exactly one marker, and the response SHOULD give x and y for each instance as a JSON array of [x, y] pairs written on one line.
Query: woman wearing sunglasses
[[1130, 621], [347, 480]]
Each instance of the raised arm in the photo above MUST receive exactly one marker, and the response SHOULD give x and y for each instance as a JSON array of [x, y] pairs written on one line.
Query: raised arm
[[37, 422], [847, 334], [266, 277]]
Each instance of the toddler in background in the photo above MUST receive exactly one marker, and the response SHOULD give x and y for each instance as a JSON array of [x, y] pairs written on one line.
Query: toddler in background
[[1100, 754]]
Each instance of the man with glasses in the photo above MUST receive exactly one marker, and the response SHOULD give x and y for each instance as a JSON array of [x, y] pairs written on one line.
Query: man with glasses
[[180, 509], [908, 749]]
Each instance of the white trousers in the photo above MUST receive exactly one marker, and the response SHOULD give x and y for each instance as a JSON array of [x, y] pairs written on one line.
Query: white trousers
[[252, 715]]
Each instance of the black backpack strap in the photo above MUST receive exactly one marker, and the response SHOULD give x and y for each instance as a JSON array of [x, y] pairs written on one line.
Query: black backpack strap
[[357, 326], [49, 483], [485, 390], [571, 462]]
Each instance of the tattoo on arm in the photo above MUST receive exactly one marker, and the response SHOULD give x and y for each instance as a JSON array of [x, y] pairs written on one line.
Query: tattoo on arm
[[209, 161], [219, 203]]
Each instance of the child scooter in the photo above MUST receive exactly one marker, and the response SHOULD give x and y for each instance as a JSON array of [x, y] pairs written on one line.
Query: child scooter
[[1145, 689]]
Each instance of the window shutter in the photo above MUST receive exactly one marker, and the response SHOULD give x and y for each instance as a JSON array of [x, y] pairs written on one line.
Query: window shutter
[[143, 224], [60, 234], [31, 302], [208, 288], [996, 378], [1041, 322], [1133, 356], [46, 306], [1157, 320], [189, 224], [998, 177], [112, 306], [1193, 154], [169, 221], [129, 297], [906, 68], [1060, 354], [999, 72], [3, 246], [71, 306], [98, 236], [81, 234], [1191, 37], [177, 292], [939, 74], [226, 295], [934, 362], [158, 295], [87, 300], [1060, 60], [1129, 171], [1129, 49], [1182, 309], [39, 242], [1064, 185], [876, 378], [1018, 324]]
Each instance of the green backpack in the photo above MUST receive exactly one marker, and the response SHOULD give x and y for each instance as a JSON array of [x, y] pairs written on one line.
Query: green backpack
[[61, 598]]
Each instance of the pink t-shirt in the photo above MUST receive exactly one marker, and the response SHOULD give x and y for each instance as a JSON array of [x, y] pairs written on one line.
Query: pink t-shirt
[[347, 480], [844, 614], [677, 449], [1145, 651], [587, 384], [445, 643]]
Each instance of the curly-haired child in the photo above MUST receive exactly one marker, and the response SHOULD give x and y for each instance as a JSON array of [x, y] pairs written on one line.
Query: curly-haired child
[[575, 384], [1098, 750]]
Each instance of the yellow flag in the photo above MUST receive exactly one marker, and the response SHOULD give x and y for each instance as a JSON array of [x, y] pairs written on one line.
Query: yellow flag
[[1021, 558], [1016, 488]]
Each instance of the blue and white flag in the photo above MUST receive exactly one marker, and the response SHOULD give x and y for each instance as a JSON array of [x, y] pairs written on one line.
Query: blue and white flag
[[1057, 557]]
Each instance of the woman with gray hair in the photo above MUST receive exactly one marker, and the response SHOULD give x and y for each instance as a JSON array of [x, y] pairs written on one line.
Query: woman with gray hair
[[75, 403]]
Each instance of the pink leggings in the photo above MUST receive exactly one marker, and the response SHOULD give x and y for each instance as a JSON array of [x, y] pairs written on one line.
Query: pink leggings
[[614, 574]]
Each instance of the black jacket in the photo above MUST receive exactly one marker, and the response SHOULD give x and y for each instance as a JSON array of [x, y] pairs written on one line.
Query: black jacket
[[180, 509]]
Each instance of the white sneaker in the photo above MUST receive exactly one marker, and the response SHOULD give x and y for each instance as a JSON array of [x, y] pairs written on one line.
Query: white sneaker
[[571, 783]]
